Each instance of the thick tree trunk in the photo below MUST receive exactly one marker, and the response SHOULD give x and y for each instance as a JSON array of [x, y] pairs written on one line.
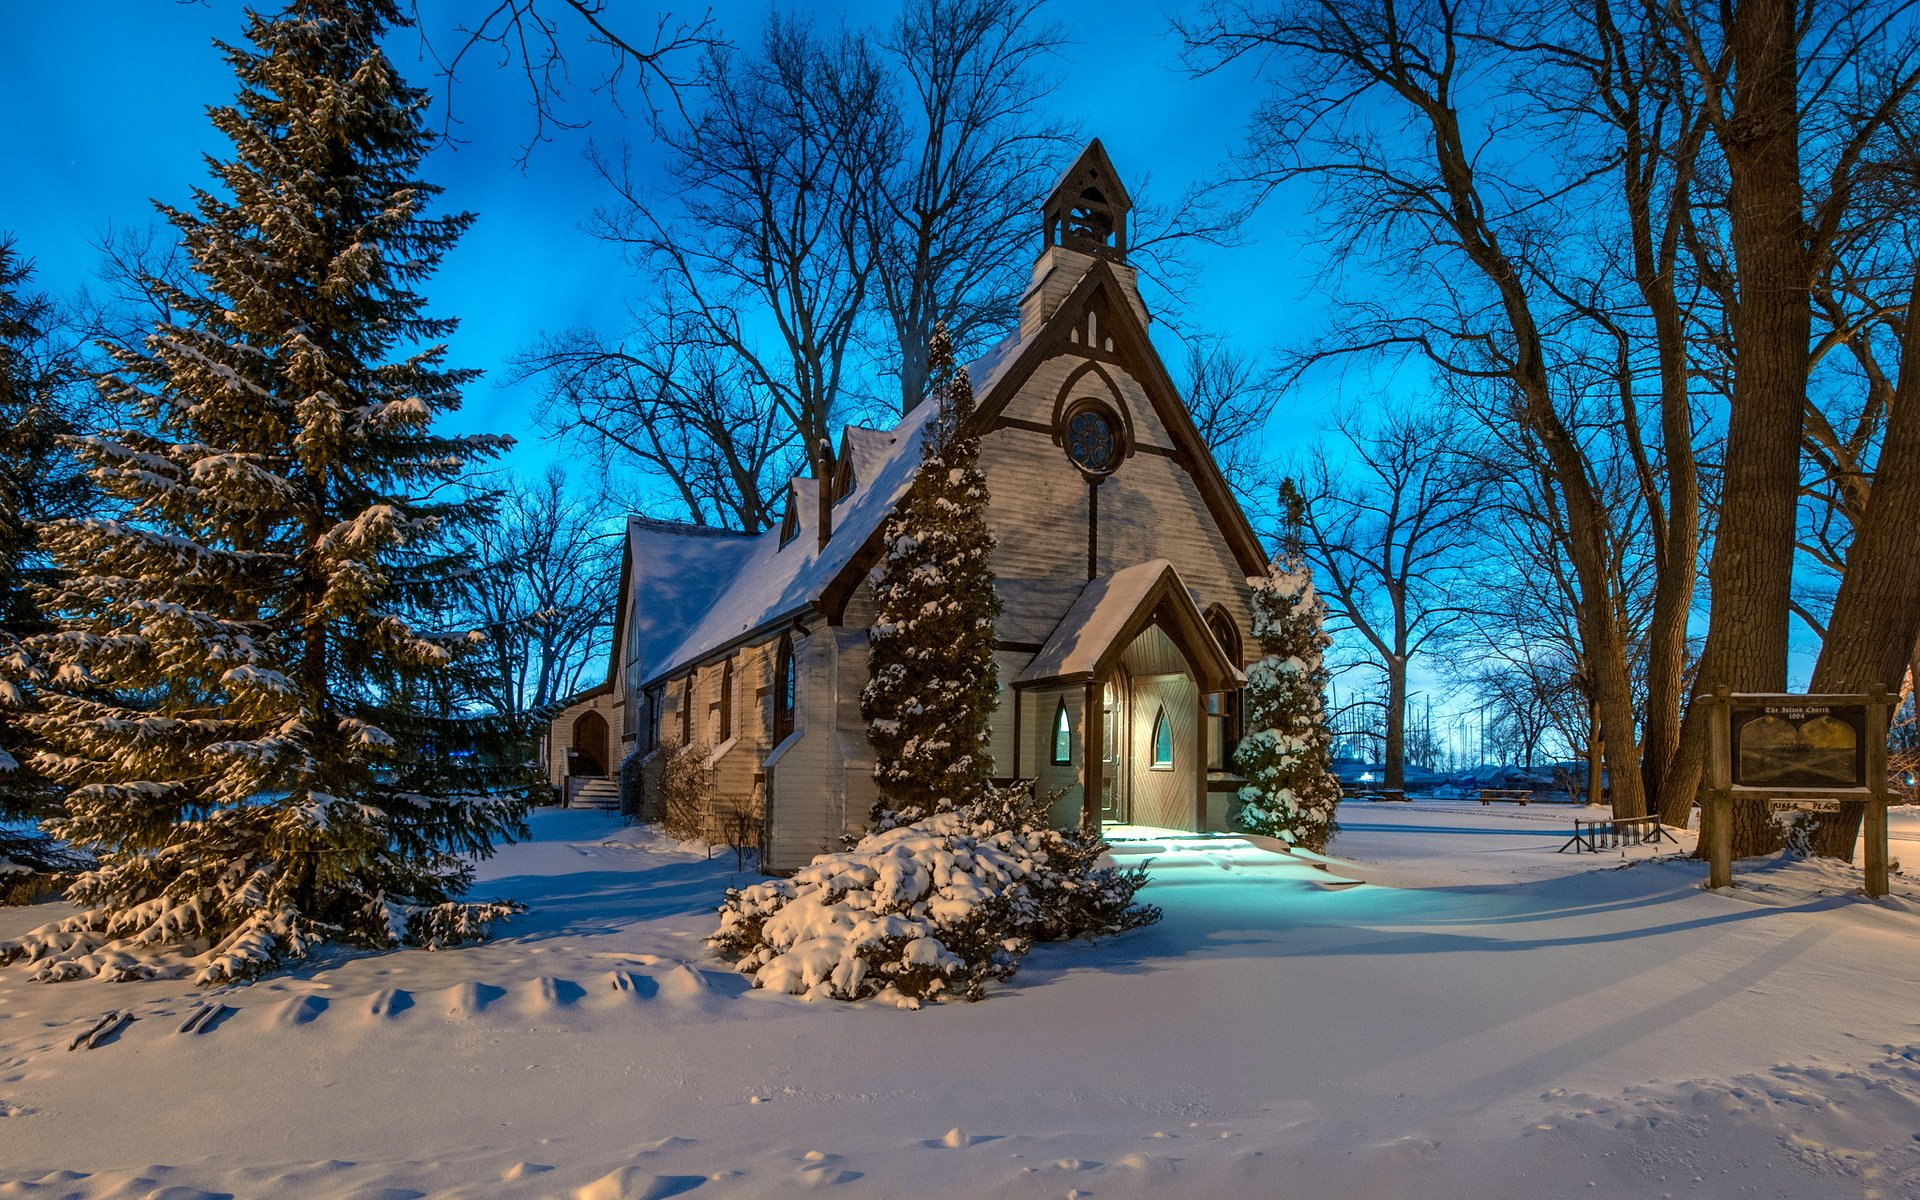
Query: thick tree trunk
[[1876, 616], [1751, 573]]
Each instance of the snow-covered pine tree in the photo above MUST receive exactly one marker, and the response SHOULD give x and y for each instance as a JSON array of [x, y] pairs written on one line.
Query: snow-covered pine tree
[[933, 681], [248, 688], [38, 479], [1287, 760]]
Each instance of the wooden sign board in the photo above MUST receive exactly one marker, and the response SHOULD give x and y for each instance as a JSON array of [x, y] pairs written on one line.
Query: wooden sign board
[[1791, 744], [1767, 747]]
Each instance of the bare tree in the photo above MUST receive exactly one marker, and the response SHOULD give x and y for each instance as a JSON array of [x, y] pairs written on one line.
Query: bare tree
[[765, 246], [545, 41], [952, 225], [1386, 536], [1230, 398], [835, 200], [1369, 102], [542, 590], [690, 420]]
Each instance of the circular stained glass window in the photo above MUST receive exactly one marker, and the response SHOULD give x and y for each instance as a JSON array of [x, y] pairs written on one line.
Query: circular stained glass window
[[1092, 441]]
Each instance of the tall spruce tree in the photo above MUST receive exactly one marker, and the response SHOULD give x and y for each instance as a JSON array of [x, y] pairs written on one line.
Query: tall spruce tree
[[933, 680], [38, 480], [1290, 791], [249, 698]]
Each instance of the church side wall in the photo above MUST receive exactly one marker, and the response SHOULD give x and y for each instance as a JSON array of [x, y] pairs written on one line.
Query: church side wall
[[809, 802]]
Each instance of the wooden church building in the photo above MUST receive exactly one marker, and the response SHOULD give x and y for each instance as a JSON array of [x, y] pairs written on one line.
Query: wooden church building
[[1123, 561]]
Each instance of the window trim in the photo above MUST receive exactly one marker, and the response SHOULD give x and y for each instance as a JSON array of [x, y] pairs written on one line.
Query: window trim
[[1062, 731], [726, 699]]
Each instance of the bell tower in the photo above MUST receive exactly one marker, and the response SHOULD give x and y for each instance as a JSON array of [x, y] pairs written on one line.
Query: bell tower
[[1083, 223], [1088, 209]]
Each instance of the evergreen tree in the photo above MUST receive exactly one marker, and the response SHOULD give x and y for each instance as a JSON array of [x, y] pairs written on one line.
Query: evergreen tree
[[933, 680], [1290, 791], [38, 480], [250, 699]]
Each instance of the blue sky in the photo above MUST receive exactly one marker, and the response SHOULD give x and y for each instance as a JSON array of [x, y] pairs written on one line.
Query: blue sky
[[102, 107]]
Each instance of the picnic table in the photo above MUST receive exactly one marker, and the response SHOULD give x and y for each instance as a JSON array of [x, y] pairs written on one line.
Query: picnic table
[[1518, 796]]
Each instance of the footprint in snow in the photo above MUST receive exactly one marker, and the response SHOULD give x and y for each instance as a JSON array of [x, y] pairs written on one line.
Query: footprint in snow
[[820, 1169], [389, 1003], [297, 1010], [545, 994], [636, 1183], [471, 998]]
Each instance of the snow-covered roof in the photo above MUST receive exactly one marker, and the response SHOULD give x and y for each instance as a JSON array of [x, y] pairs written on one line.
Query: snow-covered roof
[[694, 590], [1101, 615], [678, 572]]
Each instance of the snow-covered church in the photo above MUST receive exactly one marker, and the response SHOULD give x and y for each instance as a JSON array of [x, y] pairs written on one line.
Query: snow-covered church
[[1123, 563]]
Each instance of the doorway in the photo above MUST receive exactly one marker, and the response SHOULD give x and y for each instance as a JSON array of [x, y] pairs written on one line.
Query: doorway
[[589, 753], [1115, 710]]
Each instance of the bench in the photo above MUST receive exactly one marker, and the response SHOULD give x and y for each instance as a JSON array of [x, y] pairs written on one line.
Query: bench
[[1610, 833], [1518, 796]]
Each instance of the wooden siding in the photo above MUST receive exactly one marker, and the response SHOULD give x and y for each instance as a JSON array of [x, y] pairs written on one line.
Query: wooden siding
[[809, 778], [1150, 508], [1037, 709]]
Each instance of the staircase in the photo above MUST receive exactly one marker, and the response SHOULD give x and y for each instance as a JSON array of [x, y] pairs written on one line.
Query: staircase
[[593, 791]]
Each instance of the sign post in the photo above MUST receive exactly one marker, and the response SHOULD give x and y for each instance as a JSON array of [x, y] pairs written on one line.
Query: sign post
[[1764, 747]]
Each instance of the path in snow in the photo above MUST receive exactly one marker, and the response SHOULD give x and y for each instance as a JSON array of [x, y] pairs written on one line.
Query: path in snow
[[1482, 1017]]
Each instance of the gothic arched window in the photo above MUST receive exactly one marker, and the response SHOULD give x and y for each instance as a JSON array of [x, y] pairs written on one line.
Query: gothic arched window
[[1062, 736], [784, 690], [1223, 708], [1162, 742]]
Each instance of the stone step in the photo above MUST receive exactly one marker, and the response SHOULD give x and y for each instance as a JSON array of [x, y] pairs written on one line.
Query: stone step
[[596, 793]]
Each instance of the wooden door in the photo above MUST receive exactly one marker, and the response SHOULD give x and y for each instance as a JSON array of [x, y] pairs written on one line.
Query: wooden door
[[1166, 716], [589, 745]]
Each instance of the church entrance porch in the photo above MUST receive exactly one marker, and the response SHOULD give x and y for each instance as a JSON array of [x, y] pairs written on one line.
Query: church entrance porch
[[1119, 693]]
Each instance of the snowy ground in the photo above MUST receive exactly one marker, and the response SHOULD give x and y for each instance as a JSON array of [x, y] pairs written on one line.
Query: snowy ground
[[1481, 1017]]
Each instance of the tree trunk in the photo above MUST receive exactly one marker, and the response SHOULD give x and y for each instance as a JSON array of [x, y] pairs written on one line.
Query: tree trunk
[[1751, 574], [1396, 722], [1876, 616]]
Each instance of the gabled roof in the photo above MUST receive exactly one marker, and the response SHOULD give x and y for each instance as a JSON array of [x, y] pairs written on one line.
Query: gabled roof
[[755, 582], [696, 591], [1113, 610], [678, 571]]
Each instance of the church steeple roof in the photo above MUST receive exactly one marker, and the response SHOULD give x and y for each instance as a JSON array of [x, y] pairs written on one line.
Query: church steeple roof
[[1087, 210]]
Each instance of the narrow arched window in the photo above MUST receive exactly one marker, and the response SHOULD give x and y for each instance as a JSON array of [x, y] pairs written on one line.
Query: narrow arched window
[[783, 690], [1162, 741], [1062, 736], [1223, 708]]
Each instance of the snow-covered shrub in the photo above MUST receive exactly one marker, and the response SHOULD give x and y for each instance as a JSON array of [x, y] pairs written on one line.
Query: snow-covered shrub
[[938, 907], [1290, 791], [686, 791], [1798, 829], [633, 786]]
